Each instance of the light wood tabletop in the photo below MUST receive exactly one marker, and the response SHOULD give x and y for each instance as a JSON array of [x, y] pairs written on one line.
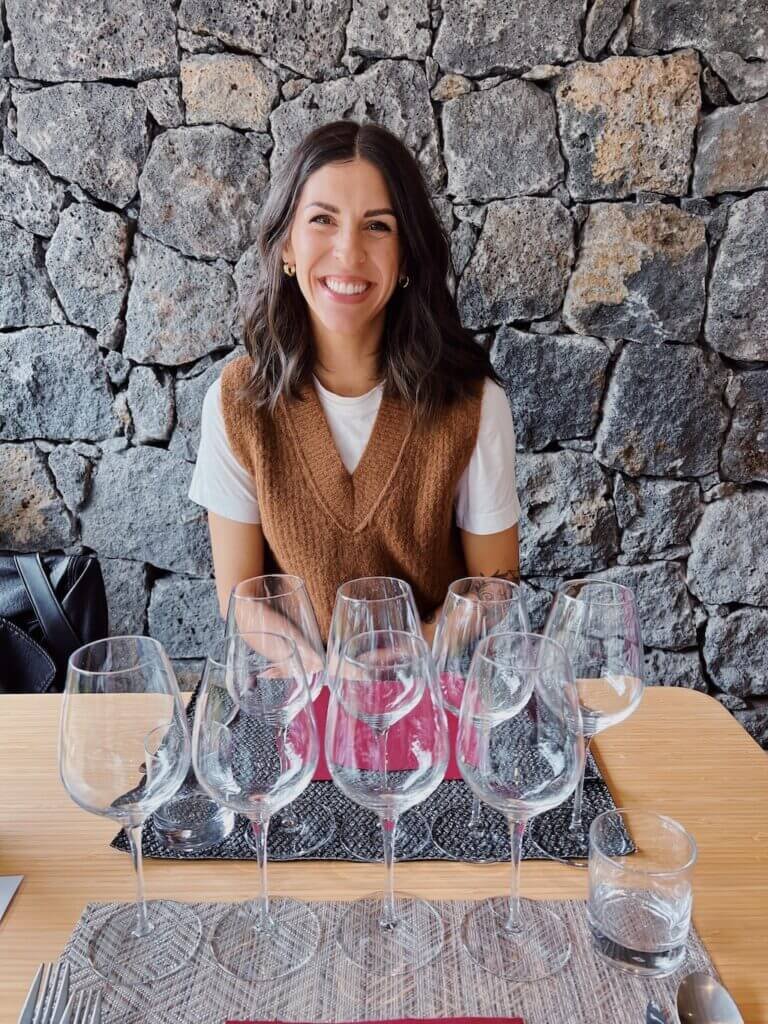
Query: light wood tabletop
[[680, 754]]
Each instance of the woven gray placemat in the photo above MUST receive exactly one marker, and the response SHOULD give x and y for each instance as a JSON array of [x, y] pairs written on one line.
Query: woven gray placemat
[[331, 988]]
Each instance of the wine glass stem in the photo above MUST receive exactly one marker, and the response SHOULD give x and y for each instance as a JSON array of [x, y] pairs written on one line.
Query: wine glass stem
[[389, 914], [260, 836], [143, 925], [475, 817], [516, 832], [576, 824], [289, 821]]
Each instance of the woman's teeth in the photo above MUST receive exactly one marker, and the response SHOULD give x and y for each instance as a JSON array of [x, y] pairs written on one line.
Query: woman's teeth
[[344, 287]]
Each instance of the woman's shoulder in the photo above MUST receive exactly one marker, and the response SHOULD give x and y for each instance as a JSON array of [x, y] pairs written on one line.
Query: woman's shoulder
[[235, 376]]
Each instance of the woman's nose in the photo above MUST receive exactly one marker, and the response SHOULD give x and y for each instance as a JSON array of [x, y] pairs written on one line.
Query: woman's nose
[[349, 249]]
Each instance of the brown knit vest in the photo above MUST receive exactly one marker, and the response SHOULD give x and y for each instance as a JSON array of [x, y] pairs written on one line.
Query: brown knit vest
[[392, 517]]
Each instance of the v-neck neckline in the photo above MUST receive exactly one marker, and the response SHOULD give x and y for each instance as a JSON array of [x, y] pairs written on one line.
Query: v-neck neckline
[[350, 499]]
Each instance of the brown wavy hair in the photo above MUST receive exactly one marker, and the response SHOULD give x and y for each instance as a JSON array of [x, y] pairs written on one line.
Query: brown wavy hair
[[427, 357]]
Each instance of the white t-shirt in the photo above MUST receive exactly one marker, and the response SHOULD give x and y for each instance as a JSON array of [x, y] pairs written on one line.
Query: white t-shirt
[[486, 497]]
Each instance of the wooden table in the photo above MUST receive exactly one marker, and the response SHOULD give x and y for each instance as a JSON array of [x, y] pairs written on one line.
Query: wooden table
[[681, 754]]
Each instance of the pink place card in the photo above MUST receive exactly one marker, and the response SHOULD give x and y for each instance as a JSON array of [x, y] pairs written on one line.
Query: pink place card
[[322, 773], [414, 1020]]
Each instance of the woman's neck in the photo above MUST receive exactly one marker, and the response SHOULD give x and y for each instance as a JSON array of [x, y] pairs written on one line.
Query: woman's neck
[[347, 366]]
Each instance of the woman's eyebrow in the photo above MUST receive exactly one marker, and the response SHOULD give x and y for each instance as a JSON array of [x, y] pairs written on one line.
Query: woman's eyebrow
[[368, 213]]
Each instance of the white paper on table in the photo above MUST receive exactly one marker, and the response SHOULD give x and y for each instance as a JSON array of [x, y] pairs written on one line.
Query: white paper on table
[[8, 886]]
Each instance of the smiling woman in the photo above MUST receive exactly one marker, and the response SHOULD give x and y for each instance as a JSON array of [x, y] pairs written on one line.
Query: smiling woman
[[365, 433]]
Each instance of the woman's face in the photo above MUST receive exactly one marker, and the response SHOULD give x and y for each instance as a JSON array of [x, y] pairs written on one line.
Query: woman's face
[[345, 245]]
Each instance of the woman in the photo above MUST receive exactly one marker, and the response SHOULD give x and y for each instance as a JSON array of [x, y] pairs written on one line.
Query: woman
[[365, 433]]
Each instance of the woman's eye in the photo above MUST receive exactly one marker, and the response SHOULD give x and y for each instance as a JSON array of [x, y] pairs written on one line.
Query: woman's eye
[[379, 225], [320, 217]]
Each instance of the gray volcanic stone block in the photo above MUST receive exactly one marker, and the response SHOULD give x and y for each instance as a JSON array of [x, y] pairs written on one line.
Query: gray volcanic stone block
[[663, 604], [138, 509], [393, 93], [745, 452], [755, 721], [476, 37], [737, 315], [740, 25], [520, 265], [26, 297], [30, 196], [189, 407], [201, 190], [245, 275], [229, 88], [728, 562], [92, 134], [736, 652], [640, 274], [53, 384], [627, 124], [536, 367], [377, 28], [481, 168], [663, 414], [674, 668], [309, 38], [178, 309], [161, 96], [732, 150], [86, 263], [655, 515], [602, 21], [184, 616], [568, 523], [72, 473], [127, 595], [151, 404], [747, 81], [32, 515], [71, 40]]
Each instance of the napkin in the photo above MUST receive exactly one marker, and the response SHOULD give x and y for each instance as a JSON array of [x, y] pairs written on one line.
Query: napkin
[[8, 886], [415, 1020]]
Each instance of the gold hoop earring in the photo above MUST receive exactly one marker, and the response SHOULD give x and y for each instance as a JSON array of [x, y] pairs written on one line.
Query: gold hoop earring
[[288, 270], [404, 281]]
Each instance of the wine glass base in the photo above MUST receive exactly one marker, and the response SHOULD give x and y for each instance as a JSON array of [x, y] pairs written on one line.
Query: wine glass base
[[249, 950], [123, 959], [540, 946], [316, 828], [414, 941], [453, 835], [362, 839]]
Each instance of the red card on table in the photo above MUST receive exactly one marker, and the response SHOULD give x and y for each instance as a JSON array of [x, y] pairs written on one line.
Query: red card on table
[[322, 774], [414, 1020]]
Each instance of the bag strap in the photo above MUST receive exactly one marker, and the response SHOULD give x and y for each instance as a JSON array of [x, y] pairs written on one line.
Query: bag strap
[[61, 638]]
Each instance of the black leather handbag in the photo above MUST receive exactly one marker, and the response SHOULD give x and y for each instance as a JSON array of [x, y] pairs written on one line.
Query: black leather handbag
[[49, 606]]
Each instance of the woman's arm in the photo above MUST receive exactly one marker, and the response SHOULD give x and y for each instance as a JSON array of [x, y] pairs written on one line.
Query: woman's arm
[[238, 554], [486, 554]]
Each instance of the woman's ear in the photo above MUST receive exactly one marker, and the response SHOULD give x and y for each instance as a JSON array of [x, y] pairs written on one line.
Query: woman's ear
[[288, 254]]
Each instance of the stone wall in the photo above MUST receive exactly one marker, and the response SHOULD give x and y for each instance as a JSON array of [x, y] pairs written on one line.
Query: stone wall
[[603, 173]]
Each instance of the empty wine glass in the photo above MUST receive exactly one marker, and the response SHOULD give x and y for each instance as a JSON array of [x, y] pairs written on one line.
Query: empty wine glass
[[386, 744], [474, 607], [124, 751], [366, 605], [279, 603], [597, 624], [254, 750], [520, 749]]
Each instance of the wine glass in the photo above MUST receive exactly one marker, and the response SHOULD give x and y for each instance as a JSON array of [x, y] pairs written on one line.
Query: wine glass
[[366, 605], [254, 750], [596, 621], [520, 748], [386, 744], [123, 751], [475, 607], [279, 603]]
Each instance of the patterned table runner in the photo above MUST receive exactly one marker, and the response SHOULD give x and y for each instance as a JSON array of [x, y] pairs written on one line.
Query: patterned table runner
[[331, 988]]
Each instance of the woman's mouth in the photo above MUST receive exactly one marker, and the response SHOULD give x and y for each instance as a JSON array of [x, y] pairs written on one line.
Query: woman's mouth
[[346, 290]]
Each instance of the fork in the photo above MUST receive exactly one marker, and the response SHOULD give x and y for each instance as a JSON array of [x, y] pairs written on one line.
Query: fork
[[83, 1008], [43, 1004]]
